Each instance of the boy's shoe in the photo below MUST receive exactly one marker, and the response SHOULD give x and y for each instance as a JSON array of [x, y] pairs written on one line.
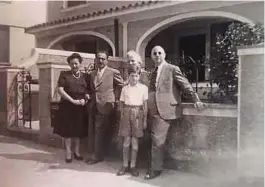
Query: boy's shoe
[[68, 160], [122, 171], [134, 172]]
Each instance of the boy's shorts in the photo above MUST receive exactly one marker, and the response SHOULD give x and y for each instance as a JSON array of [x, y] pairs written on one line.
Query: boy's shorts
[[131, 123]]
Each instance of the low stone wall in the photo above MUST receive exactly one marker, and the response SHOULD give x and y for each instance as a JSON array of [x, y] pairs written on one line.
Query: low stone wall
[[202, 136]]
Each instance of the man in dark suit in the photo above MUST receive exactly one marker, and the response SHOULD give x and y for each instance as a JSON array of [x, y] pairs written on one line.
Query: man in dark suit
[[106, 84], [167, 83]]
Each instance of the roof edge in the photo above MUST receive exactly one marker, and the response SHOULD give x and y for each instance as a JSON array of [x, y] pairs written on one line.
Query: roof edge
[[102, 14]]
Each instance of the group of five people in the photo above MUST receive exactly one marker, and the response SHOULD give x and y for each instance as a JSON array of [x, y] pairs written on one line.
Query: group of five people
[[155, 96]]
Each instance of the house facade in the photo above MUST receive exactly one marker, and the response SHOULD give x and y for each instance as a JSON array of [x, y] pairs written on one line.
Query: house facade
[[15, 16], [181, 27]]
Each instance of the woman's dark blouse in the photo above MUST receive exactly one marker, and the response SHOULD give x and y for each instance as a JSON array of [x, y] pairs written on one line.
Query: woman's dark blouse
[[75, 87]]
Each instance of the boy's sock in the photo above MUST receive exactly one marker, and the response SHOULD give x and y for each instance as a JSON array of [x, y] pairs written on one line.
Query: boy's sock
[[126, 155], [133, 158]]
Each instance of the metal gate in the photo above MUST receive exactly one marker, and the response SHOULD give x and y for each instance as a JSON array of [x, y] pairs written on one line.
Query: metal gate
[[24, 110]]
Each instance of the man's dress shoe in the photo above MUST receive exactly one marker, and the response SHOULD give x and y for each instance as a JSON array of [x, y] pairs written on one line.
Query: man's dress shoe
[[122, 171]]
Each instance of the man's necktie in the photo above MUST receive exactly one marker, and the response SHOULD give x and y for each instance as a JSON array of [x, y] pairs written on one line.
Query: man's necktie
[[98, 77], [152, 86]]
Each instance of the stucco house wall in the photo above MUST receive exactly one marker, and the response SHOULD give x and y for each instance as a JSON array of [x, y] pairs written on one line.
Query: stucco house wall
[[136, 29], [17, 15]]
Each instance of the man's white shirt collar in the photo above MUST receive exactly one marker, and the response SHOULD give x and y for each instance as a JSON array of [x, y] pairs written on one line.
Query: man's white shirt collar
[[101, 71], [161, 65]]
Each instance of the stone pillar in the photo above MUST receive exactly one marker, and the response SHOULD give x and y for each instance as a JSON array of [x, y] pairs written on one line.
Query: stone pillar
[[8, 97], [48, 75], [124, 38], [251, 110]]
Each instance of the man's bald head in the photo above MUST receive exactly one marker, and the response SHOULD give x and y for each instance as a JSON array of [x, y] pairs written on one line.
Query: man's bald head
[[158, 54], [158, 47]]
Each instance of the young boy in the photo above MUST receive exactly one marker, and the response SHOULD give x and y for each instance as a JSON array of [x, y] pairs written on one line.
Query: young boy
[[133, 103]]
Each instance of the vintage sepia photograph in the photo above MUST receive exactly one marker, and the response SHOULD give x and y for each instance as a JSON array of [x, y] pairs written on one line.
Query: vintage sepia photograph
[[153, 93]]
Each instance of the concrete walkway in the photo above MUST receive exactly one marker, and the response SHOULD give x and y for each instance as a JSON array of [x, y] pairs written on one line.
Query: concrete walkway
[[26, 164]]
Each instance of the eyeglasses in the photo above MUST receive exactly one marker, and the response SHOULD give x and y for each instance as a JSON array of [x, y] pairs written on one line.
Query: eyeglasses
[[155, 53]]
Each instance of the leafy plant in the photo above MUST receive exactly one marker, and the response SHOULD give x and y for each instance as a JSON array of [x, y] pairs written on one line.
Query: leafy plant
[[224, 59]]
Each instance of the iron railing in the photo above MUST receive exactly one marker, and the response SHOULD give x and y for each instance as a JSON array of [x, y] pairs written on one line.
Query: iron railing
[[189, 66], [24, 110]]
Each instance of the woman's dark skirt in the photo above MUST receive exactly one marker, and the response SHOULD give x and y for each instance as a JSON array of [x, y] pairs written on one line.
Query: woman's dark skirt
[[72, 120]]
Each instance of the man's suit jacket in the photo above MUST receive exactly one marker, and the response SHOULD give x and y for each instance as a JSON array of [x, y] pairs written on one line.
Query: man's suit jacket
[[171, 85], [106, 91]]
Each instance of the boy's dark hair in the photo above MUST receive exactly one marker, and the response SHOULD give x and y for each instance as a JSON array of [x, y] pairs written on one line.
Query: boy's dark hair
[[73, 56], [133, 68]]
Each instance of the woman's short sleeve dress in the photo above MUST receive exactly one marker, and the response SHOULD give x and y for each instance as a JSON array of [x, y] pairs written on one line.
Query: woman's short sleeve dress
[[72, 119]]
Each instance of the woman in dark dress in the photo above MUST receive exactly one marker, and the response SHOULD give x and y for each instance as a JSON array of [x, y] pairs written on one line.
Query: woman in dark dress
[[72, 86]]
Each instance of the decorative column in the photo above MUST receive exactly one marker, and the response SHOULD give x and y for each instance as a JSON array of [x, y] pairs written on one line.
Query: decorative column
[[116, 36], [125, 38]]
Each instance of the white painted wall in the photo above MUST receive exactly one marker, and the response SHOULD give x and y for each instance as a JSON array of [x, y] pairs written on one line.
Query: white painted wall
[[23, 13], [20, 44], [19, 15]]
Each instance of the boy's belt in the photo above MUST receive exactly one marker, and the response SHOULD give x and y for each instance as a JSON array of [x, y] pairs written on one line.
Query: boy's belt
[[133, 106]]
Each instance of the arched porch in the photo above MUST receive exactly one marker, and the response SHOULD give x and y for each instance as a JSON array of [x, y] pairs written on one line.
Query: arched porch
[[83, 41], [168, 32]]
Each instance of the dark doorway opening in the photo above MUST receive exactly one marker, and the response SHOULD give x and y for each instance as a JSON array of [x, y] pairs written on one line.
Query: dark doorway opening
[[86, 47], [194, 46], [86, 44]]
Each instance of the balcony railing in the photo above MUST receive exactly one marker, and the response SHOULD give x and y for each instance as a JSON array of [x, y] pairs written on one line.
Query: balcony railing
[[211, 94]]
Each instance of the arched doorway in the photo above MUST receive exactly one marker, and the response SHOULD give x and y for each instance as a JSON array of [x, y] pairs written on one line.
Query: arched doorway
[[190, 41], [84, 41], [191, 33]]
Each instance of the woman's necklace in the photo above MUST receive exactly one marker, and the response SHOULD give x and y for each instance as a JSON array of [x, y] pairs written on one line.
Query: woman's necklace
[[76, 75]]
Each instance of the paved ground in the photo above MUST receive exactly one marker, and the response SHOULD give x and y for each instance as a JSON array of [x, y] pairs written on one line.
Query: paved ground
[[26, 164]]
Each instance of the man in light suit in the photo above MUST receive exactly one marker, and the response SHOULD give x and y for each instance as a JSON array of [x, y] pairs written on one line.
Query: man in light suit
[[167, 84], [105, 85]]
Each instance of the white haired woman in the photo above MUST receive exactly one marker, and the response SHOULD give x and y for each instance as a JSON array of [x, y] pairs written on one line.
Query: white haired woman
[[134, 58]]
